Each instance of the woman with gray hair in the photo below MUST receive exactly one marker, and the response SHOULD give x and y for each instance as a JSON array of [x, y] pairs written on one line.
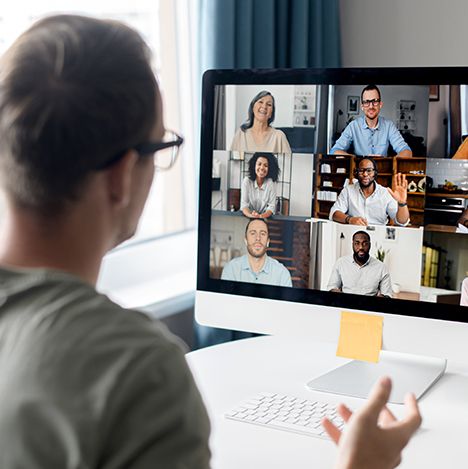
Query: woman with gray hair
[[257, 134]]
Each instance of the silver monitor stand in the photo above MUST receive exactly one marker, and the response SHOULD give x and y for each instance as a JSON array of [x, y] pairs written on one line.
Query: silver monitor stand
[[409, 373]]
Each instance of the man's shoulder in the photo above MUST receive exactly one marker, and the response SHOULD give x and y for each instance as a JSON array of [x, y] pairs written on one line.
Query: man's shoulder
[[60, 309], [376, 263], [386, 122], [237, 261], [357, 123], [381, 190], [344, 260], [232, 270], [276, 264]]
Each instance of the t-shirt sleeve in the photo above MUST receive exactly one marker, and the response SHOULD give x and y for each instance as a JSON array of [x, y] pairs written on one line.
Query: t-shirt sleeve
[[158, 418]]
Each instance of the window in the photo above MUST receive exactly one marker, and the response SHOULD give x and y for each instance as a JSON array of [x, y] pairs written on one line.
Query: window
[[168, 27]]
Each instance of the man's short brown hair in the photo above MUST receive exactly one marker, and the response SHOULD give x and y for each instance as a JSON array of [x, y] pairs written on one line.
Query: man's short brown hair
[[74, 92]]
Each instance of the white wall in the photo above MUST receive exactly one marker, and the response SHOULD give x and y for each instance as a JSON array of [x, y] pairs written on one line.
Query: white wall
[[403, 33]]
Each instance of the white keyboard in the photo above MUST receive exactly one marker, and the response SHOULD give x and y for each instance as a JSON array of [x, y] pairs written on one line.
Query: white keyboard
[[286, 413]]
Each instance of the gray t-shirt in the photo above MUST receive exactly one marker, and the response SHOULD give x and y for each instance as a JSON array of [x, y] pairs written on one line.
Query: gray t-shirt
[[85, 383]]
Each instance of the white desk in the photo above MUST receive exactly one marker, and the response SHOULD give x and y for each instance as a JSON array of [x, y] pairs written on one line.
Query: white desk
[[228, 373]]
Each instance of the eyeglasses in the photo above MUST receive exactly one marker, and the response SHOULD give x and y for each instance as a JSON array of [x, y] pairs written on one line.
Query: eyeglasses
[[365, 171], [165, 152], [369, 102]]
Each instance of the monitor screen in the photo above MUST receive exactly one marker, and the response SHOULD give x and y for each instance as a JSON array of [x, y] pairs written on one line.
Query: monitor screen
[[345, 188]]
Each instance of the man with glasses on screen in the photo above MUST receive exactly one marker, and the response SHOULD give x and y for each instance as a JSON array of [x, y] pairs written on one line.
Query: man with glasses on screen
[[370, 135], [86, 383], [365, 202]]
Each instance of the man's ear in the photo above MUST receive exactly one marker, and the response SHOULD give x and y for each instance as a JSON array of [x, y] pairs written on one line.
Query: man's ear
[[119, 177]]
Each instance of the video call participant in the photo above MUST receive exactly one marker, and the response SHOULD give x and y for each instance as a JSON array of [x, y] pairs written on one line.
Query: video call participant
[[361, 273], [256, 266], [97, 383], [258, 191], [371, 134], [257, 134], [365, 202]]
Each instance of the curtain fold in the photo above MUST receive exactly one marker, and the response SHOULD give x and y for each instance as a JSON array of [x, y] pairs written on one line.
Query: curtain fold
[[270, 33], [265, 34]]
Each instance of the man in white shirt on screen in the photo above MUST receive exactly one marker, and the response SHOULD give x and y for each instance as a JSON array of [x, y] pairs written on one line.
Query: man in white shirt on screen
[[361, 273], [365, 202]]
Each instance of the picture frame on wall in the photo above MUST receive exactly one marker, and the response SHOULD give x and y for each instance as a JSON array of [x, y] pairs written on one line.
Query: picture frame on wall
[[353, 105]]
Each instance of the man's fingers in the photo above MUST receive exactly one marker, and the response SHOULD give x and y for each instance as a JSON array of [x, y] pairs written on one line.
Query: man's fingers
[[378, 397], [413, 415], [333, 432], [345, 412], [405, 428], [386, 417]]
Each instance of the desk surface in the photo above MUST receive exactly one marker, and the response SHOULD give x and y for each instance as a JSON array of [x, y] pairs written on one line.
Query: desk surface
[[229, 373]]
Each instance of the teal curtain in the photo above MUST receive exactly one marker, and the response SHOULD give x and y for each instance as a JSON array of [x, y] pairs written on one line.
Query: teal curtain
[[269, 33], [265, 34]]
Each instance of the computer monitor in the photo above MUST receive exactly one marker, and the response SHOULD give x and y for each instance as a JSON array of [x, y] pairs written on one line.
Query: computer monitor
[[357, 175]]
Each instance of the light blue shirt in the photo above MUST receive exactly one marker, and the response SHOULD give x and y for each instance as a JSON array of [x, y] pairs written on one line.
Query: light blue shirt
[[272, 272], [368, 141]]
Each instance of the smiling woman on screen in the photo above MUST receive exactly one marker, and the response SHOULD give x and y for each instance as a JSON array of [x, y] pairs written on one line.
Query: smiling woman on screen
[[257, 134], [258, 192]]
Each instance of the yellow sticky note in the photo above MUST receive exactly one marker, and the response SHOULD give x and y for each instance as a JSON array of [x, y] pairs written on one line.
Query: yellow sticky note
[[360, 336]]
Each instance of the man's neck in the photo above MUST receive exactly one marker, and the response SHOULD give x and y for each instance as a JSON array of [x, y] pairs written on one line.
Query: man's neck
[[369, 190], [359, 261], [257, 263], [32, 241], [372, 123]]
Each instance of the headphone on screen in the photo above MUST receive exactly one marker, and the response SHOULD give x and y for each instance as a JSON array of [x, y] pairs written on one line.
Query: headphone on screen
[[374, 164]]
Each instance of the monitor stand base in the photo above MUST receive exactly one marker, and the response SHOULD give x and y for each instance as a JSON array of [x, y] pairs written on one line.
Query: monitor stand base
[[409, 373]]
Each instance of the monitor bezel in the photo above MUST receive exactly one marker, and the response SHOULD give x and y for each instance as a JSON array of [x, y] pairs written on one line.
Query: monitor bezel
[[337, 76]]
